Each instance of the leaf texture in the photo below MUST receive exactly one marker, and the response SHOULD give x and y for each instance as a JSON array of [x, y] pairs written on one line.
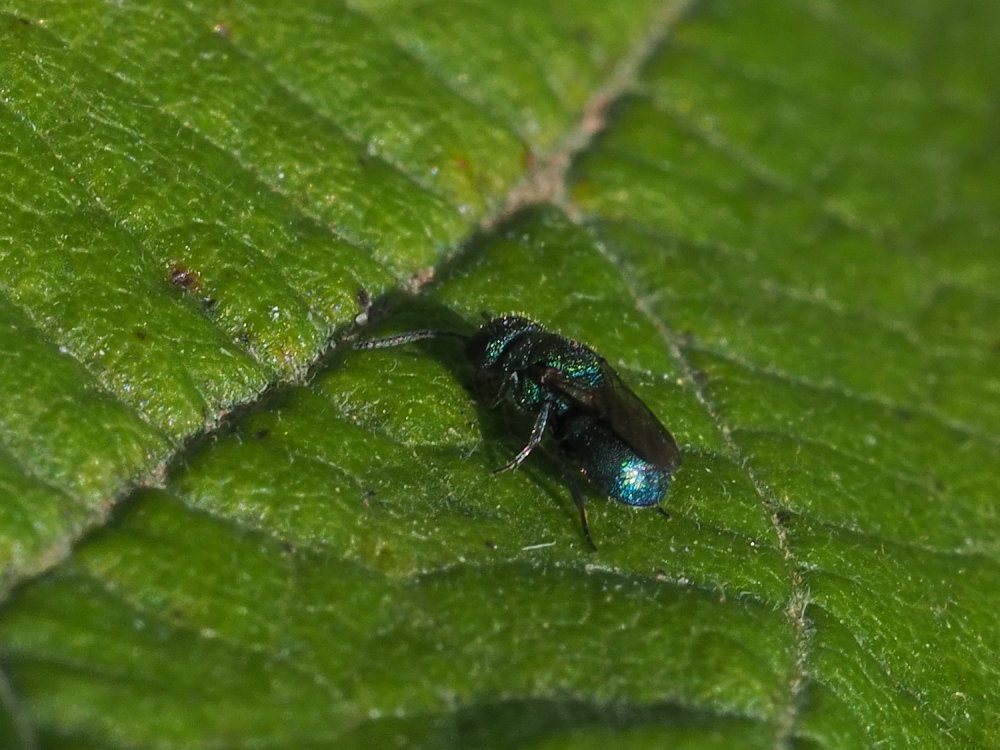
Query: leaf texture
[[221, 527]]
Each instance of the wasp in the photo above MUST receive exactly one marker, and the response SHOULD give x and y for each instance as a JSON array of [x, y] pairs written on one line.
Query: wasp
[[599, 423]]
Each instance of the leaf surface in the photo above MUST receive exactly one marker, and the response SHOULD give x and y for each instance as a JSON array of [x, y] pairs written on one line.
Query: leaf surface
[[221, 527]]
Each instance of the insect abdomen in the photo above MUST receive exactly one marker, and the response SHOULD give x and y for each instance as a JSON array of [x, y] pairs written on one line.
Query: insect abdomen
[[610, 463]]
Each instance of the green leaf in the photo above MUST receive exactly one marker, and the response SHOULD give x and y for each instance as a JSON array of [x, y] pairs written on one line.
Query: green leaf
[[222, 527]]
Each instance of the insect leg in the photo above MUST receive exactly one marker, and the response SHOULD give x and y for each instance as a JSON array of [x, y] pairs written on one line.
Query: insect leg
[[574, 490], [536, 436], [507, 385]]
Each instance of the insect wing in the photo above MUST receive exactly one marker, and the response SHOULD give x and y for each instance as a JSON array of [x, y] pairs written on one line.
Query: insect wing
[[625, 412]]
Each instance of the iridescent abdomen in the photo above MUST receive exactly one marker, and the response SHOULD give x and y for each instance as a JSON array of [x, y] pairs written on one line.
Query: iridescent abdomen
[[609, 462]]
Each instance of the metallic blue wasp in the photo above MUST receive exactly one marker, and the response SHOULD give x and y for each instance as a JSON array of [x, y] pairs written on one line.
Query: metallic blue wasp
[[573, 393]]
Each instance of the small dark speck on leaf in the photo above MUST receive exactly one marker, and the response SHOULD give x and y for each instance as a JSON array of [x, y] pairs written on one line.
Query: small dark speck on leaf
[[905, 414], [421, 277], [261, 434], [141, 334], [184, 278], [490, 544], [364, 301], [528, 157]]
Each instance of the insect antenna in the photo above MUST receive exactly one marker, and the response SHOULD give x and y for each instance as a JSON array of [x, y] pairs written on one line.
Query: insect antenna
[[405, 338]]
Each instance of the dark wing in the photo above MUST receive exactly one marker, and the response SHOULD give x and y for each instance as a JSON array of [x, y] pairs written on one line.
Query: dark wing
[[628, 416]]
